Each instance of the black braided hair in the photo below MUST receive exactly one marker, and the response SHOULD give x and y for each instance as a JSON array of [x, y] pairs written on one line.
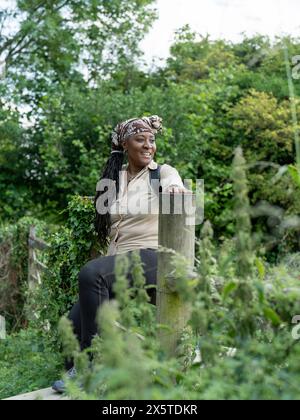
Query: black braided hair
[[102, 221]]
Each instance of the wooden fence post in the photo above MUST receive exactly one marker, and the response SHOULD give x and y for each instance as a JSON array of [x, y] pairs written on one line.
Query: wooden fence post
[[34, 265], [177, 233], [33, 273], [2, 328]]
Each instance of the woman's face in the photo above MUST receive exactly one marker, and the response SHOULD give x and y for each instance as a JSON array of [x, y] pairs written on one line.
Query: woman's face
[[141, 149]]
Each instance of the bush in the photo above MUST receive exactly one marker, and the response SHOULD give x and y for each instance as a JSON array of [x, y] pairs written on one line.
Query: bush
[[260, 363], [70, 248], [14, 269], [28, 361]]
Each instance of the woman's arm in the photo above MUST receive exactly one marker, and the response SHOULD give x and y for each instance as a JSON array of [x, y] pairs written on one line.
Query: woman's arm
[[171, 181]]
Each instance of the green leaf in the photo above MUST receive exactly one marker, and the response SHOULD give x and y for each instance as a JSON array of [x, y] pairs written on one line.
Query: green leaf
[[261, 291], [295, 174], [261, 268], [228, 289], [272, 316]]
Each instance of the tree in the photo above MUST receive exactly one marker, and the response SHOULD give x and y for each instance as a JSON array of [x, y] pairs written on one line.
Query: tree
[[59, 40], [14, 194]]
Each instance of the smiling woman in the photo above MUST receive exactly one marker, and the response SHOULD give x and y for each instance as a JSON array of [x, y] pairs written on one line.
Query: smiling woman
[[123, 229], [134, 139], [140, 148]]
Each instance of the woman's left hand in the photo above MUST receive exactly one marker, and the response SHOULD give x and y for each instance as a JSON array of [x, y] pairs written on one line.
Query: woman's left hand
[[175, 189]]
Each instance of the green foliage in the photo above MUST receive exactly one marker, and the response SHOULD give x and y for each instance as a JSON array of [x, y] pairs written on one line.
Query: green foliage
[[28, 361], [14, 269], [237, 344], [56, 40], [258, 371], [135, 311], [193, 59], [70, 248], [238, 312], [223, 96], [76, 67], [261, 363], [14, 194], [242, 217], [264, 125], [71, 345]]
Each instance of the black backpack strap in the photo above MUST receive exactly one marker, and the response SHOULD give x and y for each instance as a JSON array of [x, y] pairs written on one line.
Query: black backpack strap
[[155, 174]]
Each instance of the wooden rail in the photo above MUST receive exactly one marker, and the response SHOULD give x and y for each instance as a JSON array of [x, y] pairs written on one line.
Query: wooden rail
[[34, 265], [41, 394], [2, 328]]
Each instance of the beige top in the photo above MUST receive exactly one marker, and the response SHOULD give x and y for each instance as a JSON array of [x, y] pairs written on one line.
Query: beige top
[[134, 215]]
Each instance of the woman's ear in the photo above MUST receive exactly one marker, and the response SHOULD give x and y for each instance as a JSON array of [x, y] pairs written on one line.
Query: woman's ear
[[124, 144]]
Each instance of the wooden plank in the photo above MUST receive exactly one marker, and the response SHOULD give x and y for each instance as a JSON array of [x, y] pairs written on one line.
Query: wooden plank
[[31, 259], [41, 394], [34, 242], [34, 266], [34, 279], [37, 243], [2, 328], [40, 266]]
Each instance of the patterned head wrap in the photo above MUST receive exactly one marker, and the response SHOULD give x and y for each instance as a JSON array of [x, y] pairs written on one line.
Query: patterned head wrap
[[127, 128]]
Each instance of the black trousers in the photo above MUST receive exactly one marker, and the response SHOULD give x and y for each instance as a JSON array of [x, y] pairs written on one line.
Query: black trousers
[[96, 279]]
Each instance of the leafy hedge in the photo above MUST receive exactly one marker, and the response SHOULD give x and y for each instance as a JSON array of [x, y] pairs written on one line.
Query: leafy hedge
[[14, 268], [70, 248], [29, 360]]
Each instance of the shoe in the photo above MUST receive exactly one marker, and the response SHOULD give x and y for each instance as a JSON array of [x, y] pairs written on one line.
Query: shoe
[[60, 386]]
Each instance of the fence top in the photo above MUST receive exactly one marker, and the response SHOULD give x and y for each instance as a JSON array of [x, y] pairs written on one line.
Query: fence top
[[34, 242]]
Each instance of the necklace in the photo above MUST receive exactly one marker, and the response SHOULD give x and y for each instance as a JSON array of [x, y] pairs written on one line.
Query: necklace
[[130, 176]]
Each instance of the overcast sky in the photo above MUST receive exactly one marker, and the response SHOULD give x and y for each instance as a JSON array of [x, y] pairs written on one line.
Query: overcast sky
[[226, 19], [221, 19]]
